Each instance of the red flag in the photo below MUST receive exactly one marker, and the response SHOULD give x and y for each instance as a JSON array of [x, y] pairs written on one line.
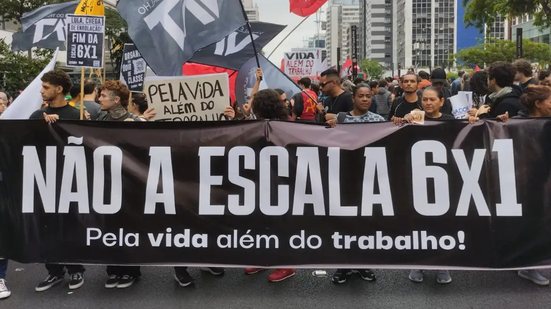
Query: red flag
[[346, 68], [305, 7], [190, 68]]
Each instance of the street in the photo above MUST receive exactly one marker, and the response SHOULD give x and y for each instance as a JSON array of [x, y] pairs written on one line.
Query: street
[[392, 289]]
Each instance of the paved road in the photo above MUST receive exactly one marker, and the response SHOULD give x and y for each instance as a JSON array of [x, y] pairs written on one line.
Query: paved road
[[392, 289]]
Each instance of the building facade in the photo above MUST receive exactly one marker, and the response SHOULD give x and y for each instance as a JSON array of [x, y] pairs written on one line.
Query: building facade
[[341, 14], [251, 8], [376, 31], [529, 31], [500, 29], [424, 33]]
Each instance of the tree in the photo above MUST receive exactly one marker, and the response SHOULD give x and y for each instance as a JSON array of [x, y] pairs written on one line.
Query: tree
[[373, 68], [484, 12], [504, 50], [20, 69], [116, 29], [115, 26]]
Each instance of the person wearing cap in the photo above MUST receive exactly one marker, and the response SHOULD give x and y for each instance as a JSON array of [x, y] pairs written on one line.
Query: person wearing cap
[[439, 80]]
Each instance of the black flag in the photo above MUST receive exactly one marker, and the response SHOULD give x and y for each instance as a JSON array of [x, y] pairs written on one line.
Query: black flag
[[44, 27], [272, 78], [168, 32], [235, 49]]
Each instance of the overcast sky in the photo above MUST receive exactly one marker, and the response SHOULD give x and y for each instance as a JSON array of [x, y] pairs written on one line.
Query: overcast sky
[[277, 12]]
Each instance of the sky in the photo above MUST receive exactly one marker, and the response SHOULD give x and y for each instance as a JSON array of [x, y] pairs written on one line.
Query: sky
[[277, 12]]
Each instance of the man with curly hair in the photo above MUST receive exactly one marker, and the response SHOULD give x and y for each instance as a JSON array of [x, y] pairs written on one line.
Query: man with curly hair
[[113, 100], [55, 85]]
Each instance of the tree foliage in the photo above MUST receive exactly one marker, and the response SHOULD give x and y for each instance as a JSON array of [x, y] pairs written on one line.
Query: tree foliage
[[115, 27], [20, 70], [504, 50], [484, 12], [116, 30], [373, 68]]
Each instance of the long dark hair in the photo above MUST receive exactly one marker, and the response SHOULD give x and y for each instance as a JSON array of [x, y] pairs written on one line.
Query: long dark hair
[[533, 94], [479, 87], [266, 105]]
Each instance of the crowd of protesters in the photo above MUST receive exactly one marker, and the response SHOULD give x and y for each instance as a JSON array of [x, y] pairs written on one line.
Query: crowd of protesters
[[503, 91]]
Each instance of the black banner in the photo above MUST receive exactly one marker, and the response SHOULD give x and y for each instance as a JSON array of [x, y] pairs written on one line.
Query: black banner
[[85, 38], [443, 194]]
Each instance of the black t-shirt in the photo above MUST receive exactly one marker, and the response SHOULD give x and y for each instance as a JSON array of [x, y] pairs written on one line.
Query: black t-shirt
[[66, 112], [401, 107], [442, 117], [341, 103]]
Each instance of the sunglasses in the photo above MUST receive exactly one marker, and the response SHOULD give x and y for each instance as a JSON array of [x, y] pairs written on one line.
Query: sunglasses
[[324, 84]]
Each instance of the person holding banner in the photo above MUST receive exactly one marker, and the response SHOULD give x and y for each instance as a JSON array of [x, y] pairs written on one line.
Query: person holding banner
[[266, 104], [432, 101], [55, 85], [403, 105], [537, 101], [362, 98], [4, 291], [114, 101]]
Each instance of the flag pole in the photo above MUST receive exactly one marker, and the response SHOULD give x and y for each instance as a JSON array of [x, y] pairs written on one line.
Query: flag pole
[[250, 33], [82, 93], [287, 36]]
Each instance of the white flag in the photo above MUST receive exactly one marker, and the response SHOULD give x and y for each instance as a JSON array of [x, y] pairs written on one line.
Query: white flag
[[30, 99]]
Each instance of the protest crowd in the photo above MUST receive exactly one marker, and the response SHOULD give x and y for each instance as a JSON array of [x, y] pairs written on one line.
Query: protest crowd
[[505, 91], [501, 92]]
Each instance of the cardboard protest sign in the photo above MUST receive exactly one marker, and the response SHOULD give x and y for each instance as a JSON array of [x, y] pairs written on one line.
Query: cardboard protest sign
[[188, 98], [305, 62], [461, 103], [133, 67], [85, 38]]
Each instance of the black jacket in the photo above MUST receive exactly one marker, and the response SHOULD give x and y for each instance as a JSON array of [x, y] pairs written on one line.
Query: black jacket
[[507, 103]]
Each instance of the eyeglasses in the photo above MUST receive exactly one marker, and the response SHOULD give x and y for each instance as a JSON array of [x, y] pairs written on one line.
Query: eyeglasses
[[324, 84]]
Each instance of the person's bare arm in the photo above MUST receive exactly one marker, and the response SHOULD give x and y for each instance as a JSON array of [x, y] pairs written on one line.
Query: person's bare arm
[[256, 86]]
